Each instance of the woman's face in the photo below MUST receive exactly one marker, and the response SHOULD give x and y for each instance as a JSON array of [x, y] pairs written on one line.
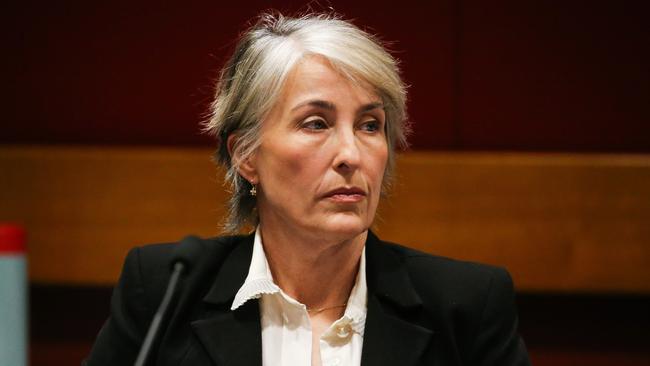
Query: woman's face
[[322, 156]]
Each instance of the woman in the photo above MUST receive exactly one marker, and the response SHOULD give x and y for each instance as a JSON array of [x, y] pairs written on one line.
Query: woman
[[308, 113]]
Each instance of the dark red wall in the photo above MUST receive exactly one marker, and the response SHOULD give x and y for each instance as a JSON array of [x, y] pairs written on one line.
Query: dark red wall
[[571, 75], [495, 75]]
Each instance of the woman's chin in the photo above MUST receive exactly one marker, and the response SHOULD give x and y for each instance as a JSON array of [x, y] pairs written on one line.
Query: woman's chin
[[344, 226]]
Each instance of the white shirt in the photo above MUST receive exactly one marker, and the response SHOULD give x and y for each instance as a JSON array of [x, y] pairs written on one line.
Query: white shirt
[[286, 328]]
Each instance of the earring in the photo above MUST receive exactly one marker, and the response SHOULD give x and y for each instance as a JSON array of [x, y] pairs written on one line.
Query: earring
[[253, 190]]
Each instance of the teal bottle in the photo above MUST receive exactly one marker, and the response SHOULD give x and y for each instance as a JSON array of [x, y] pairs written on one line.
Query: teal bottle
[[13, 296]]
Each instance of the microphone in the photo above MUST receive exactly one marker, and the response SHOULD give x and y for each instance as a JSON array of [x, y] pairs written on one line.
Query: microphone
[[184, 256]]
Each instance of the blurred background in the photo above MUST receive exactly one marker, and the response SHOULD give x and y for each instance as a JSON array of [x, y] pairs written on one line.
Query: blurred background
[[531, 150]]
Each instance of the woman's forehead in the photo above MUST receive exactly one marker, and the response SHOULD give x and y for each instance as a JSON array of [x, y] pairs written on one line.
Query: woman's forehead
[[315, 77]]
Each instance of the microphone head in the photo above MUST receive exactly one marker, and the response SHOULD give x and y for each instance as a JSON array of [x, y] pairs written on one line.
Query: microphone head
[[188, 252]]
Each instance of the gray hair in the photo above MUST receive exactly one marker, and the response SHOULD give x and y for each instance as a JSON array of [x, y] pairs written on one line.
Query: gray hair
[[252, 80]]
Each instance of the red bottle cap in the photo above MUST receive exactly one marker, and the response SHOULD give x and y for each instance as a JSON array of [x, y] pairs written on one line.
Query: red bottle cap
[[12, 239]]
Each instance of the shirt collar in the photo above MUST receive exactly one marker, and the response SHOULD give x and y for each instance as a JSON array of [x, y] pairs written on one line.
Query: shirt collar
[[357, 302], [260, 281]]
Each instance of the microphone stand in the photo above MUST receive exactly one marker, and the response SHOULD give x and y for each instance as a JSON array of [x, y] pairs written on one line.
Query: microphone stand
[[160, 313]]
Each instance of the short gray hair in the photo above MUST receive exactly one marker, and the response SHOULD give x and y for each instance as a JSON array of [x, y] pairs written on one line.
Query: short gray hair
[[252, 80]]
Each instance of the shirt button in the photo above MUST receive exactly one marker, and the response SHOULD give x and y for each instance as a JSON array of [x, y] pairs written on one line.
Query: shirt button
[[335, 362], [343, 330]]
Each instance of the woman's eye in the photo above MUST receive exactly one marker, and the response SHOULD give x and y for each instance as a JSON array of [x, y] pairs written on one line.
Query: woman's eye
[[315, 124], [371, 126]]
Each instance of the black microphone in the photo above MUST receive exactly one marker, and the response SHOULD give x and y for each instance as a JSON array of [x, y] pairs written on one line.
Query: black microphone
[[184, 256]]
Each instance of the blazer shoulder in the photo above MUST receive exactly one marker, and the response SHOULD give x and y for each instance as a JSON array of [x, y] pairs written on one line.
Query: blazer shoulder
[[419, 262], [451, 279], [154, 256], [152, 263]]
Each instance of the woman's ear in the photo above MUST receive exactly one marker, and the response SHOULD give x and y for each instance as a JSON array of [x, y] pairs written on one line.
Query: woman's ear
[[246, 167]]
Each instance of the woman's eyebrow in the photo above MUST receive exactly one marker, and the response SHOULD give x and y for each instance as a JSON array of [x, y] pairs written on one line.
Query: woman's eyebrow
[[370, 106], [330, 106], [316, 103]]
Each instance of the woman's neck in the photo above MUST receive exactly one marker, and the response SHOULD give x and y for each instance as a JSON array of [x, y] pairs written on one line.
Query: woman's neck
[[316, 273]]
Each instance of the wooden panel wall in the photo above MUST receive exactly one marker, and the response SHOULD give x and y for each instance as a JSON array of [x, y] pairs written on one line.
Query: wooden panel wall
[[584, 216]]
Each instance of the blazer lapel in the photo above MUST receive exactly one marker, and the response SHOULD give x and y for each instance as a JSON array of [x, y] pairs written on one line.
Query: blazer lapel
[[232, 338], [388, 338]]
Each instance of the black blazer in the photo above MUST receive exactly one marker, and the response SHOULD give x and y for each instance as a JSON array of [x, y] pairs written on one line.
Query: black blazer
[[422, 310]]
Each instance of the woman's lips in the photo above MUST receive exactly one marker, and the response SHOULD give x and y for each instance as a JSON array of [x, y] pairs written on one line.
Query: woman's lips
[[346, 195]]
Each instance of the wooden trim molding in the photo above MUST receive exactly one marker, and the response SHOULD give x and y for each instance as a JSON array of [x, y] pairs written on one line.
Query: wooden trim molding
[[558, 222]]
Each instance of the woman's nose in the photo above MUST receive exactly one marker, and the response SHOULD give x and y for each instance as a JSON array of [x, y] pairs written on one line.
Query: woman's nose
[[348, 155]]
